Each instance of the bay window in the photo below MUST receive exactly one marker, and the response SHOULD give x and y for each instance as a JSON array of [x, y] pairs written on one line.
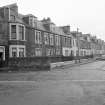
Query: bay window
[[17, 51], [17, 31], [21, 32]]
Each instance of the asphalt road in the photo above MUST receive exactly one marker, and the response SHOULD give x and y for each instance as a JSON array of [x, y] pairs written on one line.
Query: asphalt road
[[79, 85]]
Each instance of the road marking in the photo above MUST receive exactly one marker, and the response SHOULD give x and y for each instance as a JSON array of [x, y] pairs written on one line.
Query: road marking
[[52, 81]]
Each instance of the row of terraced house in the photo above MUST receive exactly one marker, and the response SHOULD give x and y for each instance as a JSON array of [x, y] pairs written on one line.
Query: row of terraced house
[[23, 36]]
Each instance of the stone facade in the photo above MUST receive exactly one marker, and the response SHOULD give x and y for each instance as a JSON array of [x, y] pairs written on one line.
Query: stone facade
[[24, 36]]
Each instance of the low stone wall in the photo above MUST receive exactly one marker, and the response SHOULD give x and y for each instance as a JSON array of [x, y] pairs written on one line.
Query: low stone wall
[[31, 64], [36, 63]]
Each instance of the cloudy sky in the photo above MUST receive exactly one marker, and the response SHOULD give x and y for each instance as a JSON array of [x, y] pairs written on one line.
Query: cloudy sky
[[87, 15]]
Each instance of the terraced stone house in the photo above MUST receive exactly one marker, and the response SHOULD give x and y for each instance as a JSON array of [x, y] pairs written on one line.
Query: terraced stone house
[[26, 36], [23, 36]]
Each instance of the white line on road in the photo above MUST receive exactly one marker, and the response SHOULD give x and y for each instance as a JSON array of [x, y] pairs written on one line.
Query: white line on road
[[53, 81]]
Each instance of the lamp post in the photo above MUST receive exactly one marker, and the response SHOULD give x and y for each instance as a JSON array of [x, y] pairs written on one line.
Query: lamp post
[[78, 44]]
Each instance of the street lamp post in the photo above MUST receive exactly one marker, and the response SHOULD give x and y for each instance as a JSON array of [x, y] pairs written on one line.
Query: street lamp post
[[78, 44]]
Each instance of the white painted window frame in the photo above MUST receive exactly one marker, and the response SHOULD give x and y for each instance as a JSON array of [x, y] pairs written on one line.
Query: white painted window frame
[[39, 36], [57, 39], [46, 36], [17, 47], [51, 39], [35, 31], [40, 51], [18, 31], [10, 31]]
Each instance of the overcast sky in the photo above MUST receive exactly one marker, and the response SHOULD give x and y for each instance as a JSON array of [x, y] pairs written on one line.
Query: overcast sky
[[87, 15]]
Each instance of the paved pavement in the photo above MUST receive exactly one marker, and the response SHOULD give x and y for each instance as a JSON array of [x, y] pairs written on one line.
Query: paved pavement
[[79, 85], [71, 63]]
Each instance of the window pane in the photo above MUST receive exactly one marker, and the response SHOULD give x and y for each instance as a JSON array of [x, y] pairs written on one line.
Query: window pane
[[66, 53], [34, 22], [38, 37], [49, 52], [12, 18], [46, 38], [14, 52], [21, 52], [51, 40], [13, 31], [57, 40], [31, 21], [57, 51], [21, 32], [38, 51]]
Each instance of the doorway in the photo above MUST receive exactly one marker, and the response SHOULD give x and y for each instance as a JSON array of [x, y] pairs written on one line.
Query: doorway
[[2, 55], [1, 59]]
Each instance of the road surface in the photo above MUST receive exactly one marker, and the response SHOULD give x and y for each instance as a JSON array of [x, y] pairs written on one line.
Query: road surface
[[79, 85]]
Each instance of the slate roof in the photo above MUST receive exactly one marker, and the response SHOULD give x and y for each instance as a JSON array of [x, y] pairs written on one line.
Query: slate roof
[[10, 5]]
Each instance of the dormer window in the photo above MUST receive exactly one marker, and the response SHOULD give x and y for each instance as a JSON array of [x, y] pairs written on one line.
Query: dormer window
[[52, 27], [32, 21], [12, 18]]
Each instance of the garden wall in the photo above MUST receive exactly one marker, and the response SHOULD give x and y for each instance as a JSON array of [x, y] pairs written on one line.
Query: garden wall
[[35, 63]]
